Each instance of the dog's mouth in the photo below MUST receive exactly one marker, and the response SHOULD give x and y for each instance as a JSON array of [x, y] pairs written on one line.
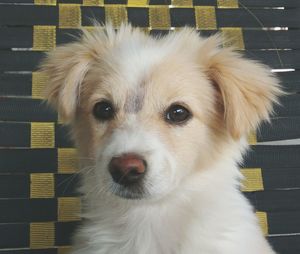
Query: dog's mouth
[[135, 191]]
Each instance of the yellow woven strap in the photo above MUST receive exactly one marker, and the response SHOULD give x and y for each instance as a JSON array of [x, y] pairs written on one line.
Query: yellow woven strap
[[228, 4], [64, 250], [67, 161], [146, 30], [91, 28], [263, 221], [69, 16], [182, 3], [205, 17], [137, 3], [42, 185], [253, 179], [69, 209], [42, 235], [39, 81], [159, 17], [252, 139], [42, 135], [233, 37], [45, 2], [59, 119], [115, 14], [93, 2], [44, 38]]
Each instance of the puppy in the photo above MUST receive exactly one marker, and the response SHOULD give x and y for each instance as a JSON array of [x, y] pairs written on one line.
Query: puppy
[[160, 125]]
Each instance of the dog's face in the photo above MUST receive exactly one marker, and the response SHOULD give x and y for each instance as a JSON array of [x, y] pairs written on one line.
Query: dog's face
[[149, 113], [158, 115]]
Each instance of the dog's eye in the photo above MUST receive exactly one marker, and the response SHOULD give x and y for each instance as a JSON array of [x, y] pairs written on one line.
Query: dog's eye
[[103, 111], [177, 114]]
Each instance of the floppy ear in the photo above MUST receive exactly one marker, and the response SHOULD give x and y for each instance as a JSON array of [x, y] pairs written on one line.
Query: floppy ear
[[65, 68], [246, 88]]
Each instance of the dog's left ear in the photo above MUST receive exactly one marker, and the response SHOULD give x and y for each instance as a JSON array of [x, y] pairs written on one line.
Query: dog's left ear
[[246, 90]]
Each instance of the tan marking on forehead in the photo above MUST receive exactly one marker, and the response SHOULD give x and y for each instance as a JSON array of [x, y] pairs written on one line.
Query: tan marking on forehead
[[135, 100]]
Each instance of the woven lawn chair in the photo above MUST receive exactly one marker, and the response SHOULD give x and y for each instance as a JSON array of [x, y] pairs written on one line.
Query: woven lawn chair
[[38, 201]]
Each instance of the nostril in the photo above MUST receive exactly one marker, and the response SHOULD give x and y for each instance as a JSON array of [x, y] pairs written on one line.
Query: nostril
[[127, 169]]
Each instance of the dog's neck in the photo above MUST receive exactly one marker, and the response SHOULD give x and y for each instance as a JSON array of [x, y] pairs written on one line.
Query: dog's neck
[[126, 224]]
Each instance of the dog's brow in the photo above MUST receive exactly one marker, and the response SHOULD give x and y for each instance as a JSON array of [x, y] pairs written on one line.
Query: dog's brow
[[135, 101]]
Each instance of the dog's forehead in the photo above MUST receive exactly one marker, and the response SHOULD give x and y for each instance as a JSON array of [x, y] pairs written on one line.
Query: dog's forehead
[[136, 65], [135, 100], [136, 62]]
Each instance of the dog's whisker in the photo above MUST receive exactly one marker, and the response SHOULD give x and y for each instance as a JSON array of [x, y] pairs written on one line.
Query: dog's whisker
[[102, 189], [86, 195], [65, 180], [69, 183], [122, 177], [70, 178], [87, 170]]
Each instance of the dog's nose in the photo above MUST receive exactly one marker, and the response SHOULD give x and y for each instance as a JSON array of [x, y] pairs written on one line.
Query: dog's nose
[[127, 169]]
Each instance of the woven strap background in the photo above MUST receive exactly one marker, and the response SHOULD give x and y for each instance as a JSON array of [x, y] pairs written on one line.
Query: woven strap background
[[39, 205]]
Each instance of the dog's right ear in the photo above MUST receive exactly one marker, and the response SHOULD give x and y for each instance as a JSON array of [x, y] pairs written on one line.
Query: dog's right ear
[[65, 68]]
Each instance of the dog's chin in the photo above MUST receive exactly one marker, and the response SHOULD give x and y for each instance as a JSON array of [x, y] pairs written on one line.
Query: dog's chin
[[130, 193]]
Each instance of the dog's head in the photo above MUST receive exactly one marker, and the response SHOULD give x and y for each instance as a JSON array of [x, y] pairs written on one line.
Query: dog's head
[[150, 112]]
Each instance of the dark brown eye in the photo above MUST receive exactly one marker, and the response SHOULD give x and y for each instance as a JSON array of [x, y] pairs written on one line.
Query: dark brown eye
[[103, 111], [177, 114]]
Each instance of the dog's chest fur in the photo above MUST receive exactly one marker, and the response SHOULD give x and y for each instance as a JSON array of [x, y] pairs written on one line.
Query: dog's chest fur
[[177, 227], [143, 230]]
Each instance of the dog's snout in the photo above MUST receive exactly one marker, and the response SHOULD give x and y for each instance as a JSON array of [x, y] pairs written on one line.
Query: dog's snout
[[127, 169]]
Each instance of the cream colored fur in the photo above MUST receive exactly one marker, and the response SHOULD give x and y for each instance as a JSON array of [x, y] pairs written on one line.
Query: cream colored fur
[[192, 202]]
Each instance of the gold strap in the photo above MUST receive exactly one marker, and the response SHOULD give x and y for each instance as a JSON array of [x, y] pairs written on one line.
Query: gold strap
[[42, 235], [205, 17], [90, 28], [146, 30], [159, 17], [252, 139], [42, 135], [45, 2], [69, 209], [253, 179], [263, 221], [138, 3], [44, 38], [42, 185], [115, 14], [39, 81], [69, 16], [67, 161], [233, 36], [228, 4], [182, 3], [59, 119], [64, 250], [93, 2]]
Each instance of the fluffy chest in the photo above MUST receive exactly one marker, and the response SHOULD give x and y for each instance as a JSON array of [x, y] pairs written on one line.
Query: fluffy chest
[[141, 231]]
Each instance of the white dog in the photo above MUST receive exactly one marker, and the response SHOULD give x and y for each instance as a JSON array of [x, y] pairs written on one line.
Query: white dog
[[160, 126]]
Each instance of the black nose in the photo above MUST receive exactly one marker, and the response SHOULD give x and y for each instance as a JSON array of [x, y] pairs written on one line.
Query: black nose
[[127, 169]]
